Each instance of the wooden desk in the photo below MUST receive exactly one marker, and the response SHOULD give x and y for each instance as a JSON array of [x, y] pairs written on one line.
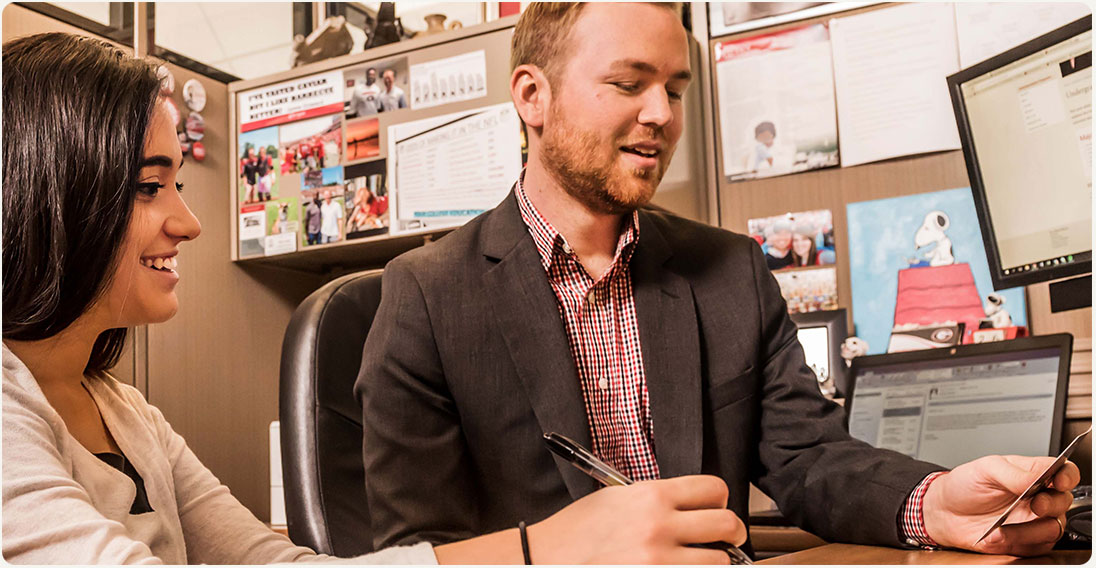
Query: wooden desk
[[856, 554]]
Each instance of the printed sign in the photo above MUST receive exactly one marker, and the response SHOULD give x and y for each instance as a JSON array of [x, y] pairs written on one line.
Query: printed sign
[[298, 99]]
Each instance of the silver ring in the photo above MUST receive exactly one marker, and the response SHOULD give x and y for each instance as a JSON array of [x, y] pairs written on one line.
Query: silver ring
[[1061, 529]]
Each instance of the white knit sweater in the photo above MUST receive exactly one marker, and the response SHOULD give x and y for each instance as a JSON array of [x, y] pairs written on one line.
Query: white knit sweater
[[63, 505]]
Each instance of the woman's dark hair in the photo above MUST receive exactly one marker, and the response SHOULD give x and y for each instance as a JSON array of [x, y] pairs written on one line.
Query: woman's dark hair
[[76, 111]]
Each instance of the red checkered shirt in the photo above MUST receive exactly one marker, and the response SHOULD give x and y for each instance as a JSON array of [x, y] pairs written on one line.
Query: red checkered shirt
[[913, 514], [603, 334]]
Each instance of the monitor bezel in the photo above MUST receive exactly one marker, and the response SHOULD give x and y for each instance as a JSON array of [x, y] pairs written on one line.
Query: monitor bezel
[[836, 324], [1083, 260], [1063, 342]]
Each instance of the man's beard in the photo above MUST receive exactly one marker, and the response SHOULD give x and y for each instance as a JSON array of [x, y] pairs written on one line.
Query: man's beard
[[576, 159]]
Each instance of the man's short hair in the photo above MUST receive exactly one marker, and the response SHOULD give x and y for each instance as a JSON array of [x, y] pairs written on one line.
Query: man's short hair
[[765, 127], [387, 70], [542, 35]]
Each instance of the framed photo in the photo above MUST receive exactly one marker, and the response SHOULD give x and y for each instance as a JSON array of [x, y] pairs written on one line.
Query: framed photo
[[821, 335]]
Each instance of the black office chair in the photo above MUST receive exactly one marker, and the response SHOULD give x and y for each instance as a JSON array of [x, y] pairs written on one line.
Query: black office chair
[[321, 427]]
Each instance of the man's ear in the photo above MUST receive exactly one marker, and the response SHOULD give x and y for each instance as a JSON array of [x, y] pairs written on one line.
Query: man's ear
[[531, 94]]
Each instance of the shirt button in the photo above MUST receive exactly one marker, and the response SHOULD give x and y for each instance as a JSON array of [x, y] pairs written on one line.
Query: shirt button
[[567, 248], [603, 383], [590, 296]]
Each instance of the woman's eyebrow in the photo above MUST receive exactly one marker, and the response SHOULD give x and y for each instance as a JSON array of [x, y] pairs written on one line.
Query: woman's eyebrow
[[160, 160]]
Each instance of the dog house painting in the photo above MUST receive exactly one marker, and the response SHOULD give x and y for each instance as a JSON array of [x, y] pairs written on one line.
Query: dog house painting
[[919, 273]]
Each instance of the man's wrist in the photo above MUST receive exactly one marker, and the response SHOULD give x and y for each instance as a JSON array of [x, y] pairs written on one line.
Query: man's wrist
[[912, 515]]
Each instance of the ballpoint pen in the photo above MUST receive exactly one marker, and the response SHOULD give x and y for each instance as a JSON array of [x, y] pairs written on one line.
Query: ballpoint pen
[[588, 463]]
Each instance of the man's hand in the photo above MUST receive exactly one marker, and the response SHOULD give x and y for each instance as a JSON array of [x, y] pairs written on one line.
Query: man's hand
[[960, 505], [650, 522]]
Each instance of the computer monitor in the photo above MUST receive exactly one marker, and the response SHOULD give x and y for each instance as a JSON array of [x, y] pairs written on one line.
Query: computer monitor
[[1025, 123], [951, 405], [821, 334]]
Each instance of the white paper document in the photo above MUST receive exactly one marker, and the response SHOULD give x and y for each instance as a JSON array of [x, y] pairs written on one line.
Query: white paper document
[[986, 29], [776, 103], [445, 170], [458, 78], [890, 72]]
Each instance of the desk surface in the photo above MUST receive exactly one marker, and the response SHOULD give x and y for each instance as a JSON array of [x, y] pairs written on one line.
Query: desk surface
[[856, 554]]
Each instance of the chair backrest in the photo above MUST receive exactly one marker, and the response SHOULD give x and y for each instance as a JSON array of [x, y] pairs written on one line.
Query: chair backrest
[[321, 430]]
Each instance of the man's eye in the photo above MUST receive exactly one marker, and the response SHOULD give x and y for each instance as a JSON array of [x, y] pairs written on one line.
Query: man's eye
[[150, 189], [674, 95], [627, 87]]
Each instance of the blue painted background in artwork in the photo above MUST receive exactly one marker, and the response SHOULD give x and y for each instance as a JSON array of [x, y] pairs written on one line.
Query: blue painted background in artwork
[[881, 242]]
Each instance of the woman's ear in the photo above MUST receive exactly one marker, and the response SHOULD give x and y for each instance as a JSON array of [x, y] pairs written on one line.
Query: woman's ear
[[531, 94]]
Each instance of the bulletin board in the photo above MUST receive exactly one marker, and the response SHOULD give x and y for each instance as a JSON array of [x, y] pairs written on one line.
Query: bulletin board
[[832, 188], [318, 149]]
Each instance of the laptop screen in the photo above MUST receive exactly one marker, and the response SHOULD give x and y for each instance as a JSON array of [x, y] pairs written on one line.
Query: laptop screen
[[955, 409]]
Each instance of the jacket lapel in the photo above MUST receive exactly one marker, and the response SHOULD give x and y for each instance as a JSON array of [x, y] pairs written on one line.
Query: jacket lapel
[[528, 317], [671, 353]]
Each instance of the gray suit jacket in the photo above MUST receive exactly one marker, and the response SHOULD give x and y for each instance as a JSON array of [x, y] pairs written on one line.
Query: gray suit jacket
[[467, 364]]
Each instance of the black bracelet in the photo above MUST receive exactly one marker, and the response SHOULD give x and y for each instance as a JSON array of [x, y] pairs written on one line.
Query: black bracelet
[[524, 544]]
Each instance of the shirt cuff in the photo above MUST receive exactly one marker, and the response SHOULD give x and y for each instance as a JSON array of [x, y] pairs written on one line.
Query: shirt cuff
[[912, 523]]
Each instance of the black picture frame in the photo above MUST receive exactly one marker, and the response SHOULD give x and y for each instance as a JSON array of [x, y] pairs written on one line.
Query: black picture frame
[[836, 324]]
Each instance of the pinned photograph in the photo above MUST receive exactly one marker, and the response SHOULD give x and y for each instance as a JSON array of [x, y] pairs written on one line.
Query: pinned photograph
[[322, 212], [313, 179], [795, 240], [377, 87], [809, 290], [366, 200], [311, 144], [919, 262], [283, 217], [259, 164], [363, 139]]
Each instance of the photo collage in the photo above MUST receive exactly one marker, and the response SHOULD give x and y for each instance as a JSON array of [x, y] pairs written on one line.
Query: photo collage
[[798, 248], [313, 151]]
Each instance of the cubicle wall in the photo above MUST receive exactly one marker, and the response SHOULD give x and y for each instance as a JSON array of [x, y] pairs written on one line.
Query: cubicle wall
[[834, 188]]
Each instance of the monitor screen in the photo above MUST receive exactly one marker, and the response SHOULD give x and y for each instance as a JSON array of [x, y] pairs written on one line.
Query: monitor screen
[[1025, 122], [816, 348], [949, 411]]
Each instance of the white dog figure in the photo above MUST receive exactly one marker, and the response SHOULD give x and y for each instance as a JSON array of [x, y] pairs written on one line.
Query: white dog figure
[[853, 347], [995, 311], [932, 231]]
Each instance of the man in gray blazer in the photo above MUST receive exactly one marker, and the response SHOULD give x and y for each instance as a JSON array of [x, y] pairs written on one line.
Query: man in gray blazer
[[661, 344]]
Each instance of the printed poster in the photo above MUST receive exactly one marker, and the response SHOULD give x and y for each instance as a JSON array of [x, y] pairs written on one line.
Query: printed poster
[[777, 113], [919, 260]]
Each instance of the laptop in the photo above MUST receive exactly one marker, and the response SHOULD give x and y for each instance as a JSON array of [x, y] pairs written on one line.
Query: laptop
[[952, 405]]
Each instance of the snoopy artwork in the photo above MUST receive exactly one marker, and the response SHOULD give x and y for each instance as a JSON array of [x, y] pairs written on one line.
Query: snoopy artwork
[[852, 348], [932, 232], [996, 314]]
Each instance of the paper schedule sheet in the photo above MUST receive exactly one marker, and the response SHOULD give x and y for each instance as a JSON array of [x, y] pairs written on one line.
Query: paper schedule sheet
[[449, 169], [890, 75]]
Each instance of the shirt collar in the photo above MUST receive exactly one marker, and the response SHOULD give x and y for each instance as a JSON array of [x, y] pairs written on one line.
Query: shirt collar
[[551, 244]]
